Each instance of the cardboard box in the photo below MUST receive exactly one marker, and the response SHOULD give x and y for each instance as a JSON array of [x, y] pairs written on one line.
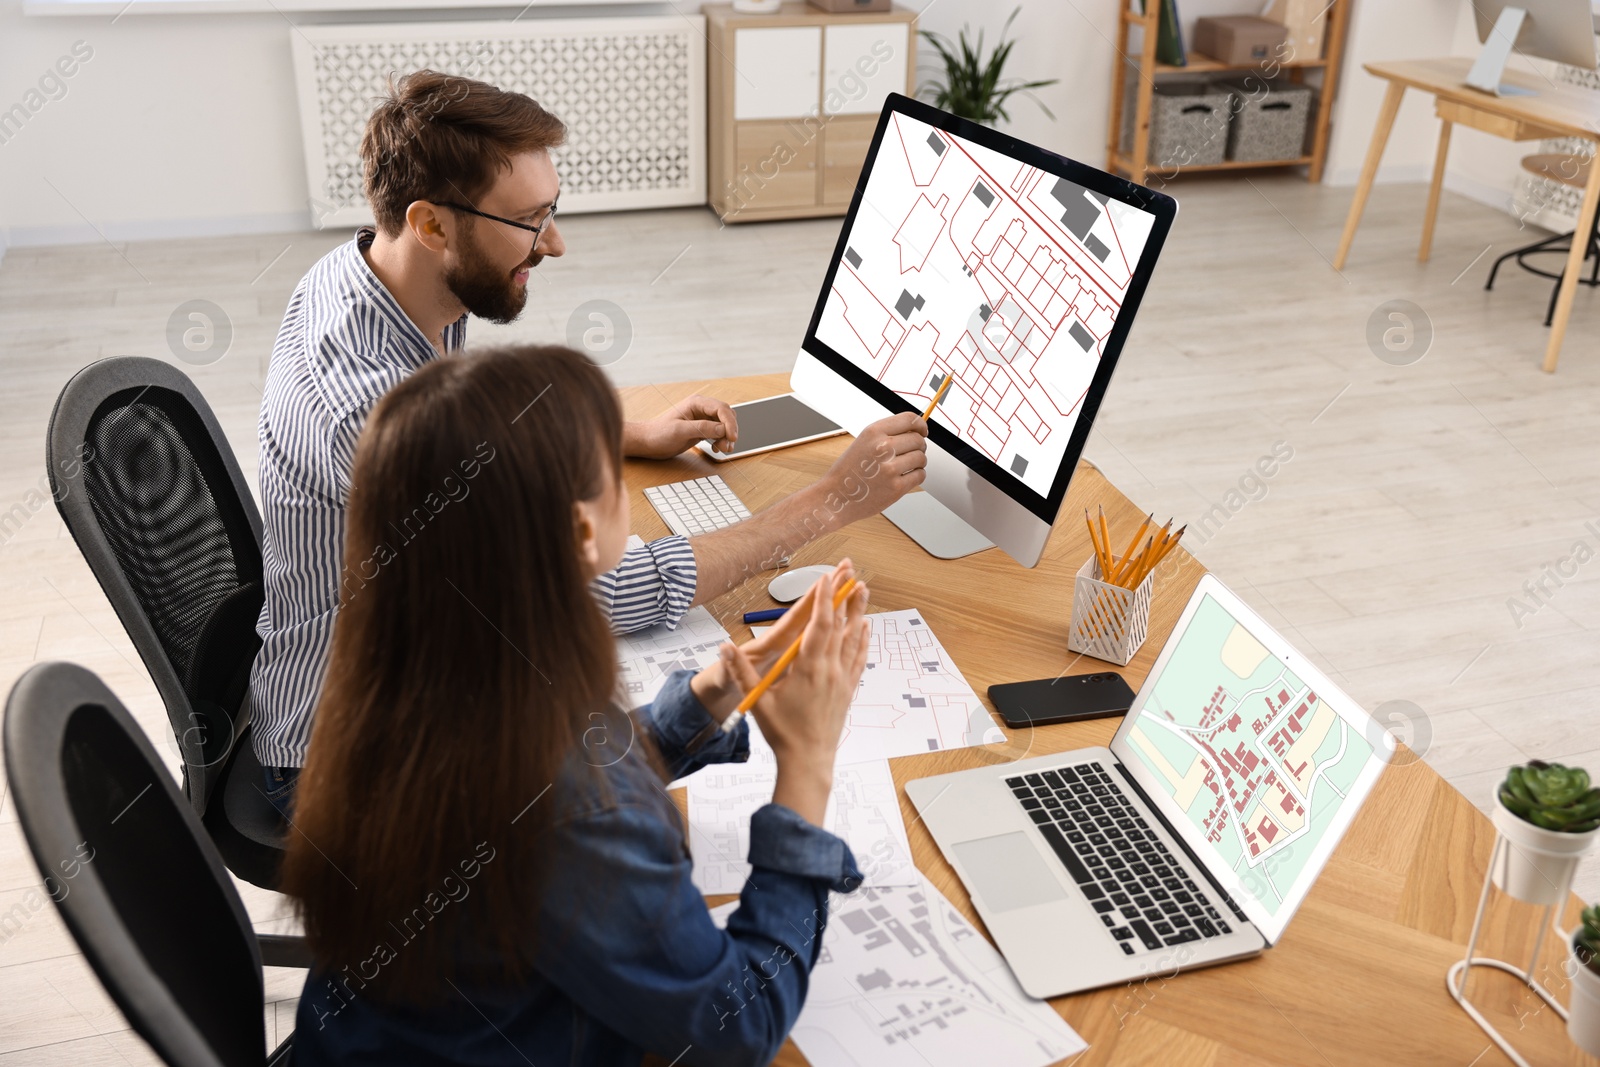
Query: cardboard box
[[1240, 40], [1307, 23], [849, 7]]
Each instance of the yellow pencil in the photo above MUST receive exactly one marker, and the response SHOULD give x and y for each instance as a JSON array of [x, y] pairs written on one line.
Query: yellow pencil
[[1152, 556], [1126, 564], [777, 669], [1105, 539], [948, 378], [1094, 541], [1161, 554], [1095, 613]]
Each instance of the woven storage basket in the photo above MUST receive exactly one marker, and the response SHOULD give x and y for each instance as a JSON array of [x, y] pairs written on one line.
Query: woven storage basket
[[1270, 120]]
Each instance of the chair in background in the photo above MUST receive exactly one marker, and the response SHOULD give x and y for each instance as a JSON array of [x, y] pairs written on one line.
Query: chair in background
[[1568, 170], [133, 873], [152, 494]]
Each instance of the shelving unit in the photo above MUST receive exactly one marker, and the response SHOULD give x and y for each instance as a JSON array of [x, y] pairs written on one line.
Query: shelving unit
[[1135, 162]]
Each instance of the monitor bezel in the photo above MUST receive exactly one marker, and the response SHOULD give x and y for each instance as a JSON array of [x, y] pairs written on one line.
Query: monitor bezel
[[1162, 207]]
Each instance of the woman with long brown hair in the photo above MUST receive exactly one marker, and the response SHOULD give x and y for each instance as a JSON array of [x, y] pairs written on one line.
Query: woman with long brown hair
[[484, 856]]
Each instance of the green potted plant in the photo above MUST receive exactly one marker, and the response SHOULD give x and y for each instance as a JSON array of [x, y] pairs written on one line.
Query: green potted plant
[[1549, 815], [972, 87], [1583, 967]]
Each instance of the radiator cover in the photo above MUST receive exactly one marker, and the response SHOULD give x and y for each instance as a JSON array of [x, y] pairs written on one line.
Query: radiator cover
[[630, 90]]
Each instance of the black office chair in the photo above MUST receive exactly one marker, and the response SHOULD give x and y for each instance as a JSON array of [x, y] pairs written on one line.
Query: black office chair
[[146, 483], [134, 873], [1572, 172]]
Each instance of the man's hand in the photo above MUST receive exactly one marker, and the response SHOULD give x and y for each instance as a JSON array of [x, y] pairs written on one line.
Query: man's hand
[[694, 419], [884, 463]]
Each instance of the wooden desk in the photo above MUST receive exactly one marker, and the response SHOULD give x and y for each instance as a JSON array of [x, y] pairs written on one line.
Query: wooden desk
[[1557, 111], [1358, 978]]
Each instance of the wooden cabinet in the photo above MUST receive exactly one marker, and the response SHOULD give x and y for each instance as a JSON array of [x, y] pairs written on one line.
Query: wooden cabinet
[[783, 166], [844, 148], [794, 99]]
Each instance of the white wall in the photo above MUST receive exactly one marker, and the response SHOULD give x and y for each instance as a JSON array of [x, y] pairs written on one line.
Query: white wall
[[188, 124], [1379, 30], [1487, 169], [1072, 40], [175, 124]]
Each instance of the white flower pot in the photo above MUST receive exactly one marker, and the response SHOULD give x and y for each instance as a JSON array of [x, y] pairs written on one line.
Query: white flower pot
[[1538, 866], [1583, 1013]]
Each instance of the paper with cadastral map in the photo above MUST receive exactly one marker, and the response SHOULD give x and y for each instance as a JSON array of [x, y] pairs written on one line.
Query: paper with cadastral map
[[904, 980], [863, 811], [912, 697], [646, 657]]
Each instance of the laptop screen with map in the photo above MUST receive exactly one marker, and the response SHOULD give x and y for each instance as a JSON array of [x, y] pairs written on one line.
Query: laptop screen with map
[[1253, 756], [1015, 272]]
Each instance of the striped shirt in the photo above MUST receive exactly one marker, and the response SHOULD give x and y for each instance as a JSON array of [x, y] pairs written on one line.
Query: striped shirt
[[344, 342]]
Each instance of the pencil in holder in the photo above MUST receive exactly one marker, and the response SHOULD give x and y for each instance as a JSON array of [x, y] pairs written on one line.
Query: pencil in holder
[[1108, 621]]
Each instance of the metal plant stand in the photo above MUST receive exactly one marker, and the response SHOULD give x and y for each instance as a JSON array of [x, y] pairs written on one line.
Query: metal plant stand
[[1456, 979]]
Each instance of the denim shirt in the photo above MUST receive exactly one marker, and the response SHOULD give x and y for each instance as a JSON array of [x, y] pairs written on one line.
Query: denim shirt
[[629, 961]]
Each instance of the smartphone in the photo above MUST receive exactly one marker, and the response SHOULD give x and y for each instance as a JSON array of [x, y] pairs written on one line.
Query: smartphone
[[775, 422], [1065, 699]]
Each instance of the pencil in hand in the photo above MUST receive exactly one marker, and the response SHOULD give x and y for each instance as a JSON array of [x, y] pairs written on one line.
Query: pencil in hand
[[775, 672], [938, 396]]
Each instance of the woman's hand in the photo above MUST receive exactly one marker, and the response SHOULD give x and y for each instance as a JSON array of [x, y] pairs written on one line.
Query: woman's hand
[[718, 688], [803, 713]]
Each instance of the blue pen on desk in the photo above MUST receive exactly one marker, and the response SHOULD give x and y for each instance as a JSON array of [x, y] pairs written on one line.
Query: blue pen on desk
[[769, 615]]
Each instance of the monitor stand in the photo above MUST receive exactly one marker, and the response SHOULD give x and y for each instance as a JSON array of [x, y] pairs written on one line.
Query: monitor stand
[[1490, 66], [941, 532]]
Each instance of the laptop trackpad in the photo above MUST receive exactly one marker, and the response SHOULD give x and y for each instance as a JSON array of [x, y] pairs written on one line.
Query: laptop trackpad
[[1007, 872]]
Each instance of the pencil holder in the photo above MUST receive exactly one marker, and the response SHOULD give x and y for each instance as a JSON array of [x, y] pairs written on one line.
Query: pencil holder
[[1108, 621]]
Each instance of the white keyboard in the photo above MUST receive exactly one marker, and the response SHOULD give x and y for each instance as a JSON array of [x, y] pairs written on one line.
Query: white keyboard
[[697, 506]]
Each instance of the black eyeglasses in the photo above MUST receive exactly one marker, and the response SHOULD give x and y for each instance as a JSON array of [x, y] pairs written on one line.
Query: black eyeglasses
[[535, 230]]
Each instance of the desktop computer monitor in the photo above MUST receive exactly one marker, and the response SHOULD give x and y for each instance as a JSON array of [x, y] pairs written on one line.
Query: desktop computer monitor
[[968, 253], [1559, 30]]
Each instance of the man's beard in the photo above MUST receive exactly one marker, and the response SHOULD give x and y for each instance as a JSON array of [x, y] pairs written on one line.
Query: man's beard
[[483, 288]]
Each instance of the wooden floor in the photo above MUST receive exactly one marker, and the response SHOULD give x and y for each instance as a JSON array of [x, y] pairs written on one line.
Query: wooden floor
[[1391, 548]]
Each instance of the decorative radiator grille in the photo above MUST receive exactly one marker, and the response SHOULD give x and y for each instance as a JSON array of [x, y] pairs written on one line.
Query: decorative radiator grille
[[1547, 203], [630, 90]]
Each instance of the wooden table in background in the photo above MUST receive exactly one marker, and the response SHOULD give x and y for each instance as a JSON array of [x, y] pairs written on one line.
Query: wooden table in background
[[1555, 111], [1358, 978]]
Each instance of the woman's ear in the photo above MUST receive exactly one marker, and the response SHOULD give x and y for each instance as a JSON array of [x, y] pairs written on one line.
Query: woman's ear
[[586, 532]]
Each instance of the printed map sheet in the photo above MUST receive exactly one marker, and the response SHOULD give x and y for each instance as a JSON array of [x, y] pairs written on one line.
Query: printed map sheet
[[905, 981]]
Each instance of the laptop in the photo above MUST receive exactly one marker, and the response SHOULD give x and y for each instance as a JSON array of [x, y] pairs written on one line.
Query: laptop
[[1192, 839]]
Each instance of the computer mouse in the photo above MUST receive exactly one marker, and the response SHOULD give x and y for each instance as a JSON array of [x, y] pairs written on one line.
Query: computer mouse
[[792, 585]]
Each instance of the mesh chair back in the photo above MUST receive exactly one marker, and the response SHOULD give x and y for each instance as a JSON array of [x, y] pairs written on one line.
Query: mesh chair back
[[151, 492], [132, 871]]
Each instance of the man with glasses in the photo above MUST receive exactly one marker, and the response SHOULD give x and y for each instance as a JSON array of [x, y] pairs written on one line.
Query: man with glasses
[[464, 195]]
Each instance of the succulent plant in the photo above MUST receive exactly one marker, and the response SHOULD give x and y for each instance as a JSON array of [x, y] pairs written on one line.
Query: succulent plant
[[1586, 942], [1552, 797]]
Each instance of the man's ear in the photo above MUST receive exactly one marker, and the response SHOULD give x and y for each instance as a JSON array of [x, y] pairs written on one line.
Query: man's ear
[[426, 224], [586, 533]]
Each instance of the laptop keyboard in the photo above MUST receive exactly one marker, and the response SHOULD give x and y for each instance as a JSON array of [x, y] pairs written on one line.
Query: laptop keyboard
[[1143, 893]]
